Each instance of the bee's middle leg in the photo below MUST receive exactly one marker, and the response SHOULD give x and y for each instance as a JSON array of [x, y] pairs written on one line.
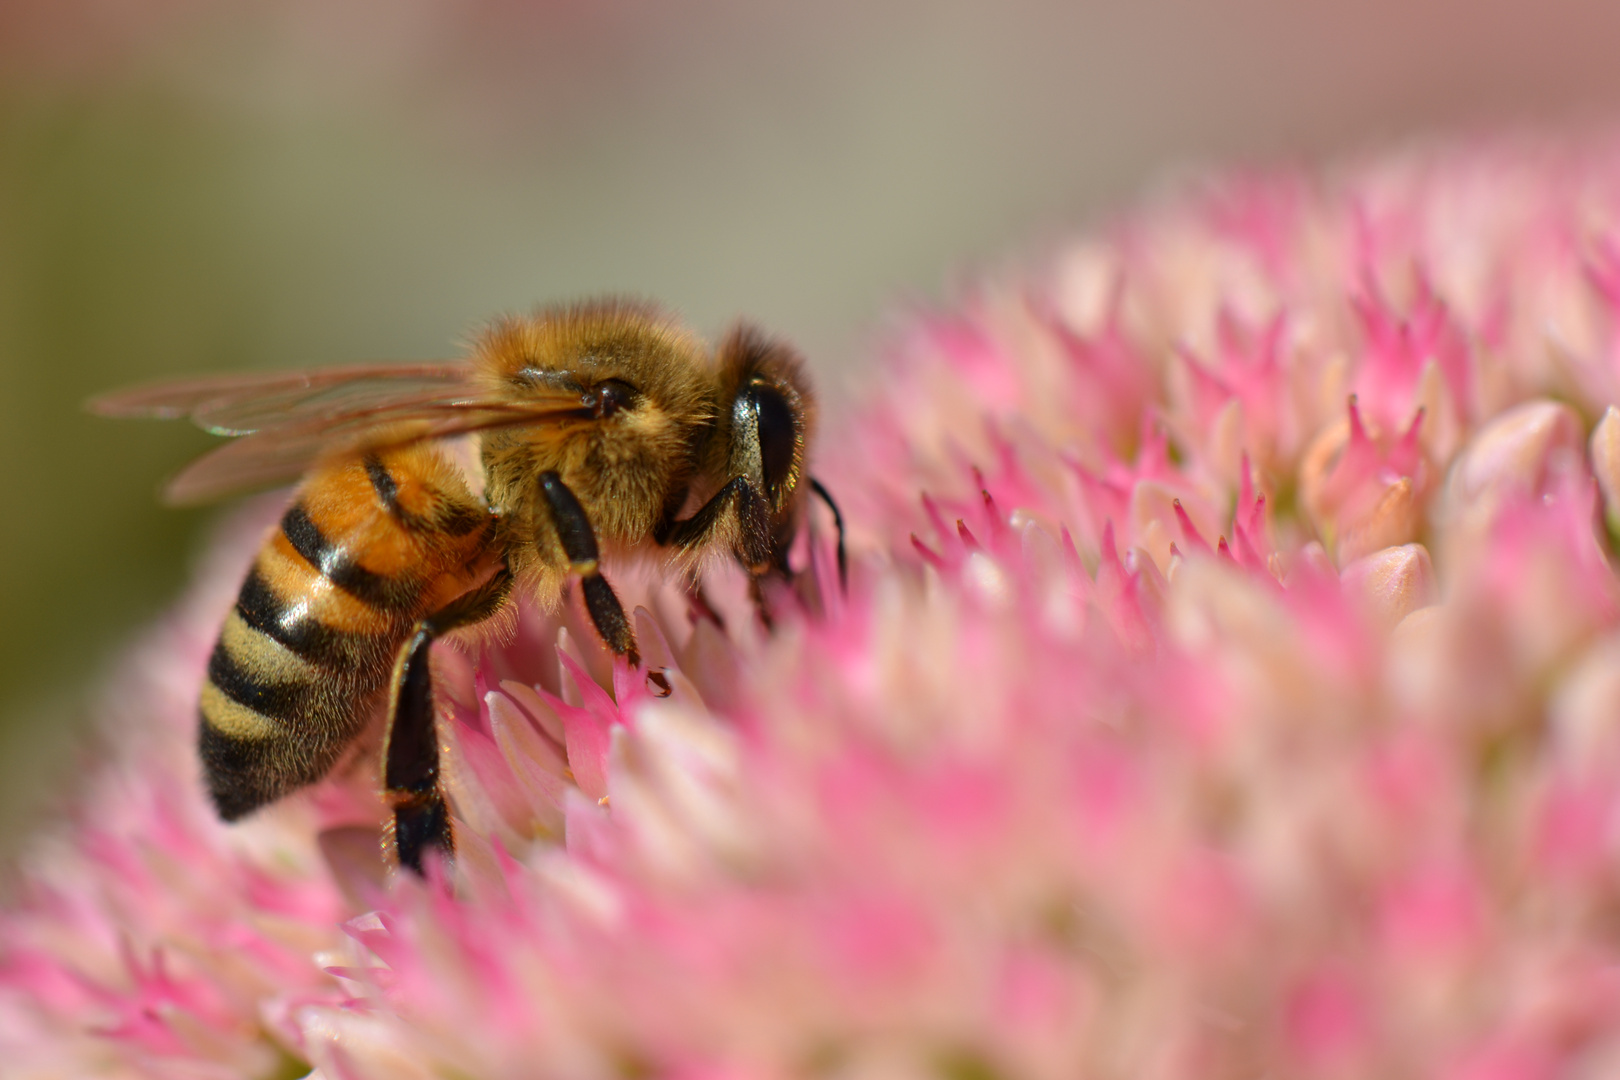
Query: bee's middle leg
[[578, 541], [411, 744]]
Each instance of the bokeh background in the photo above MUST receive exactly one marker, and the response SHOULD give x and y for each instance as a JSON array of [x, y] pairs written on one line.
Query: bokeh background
[[191, 185]]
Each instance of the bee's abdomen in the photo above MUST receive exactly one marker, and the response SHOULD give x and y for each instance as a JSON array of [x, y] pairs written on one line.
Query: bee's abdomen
[[271, 721], [303, 657]]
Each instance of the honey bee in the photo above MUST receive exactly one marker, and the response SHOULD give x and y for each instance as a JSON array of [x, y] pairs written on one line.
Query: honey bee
[[599, 425]]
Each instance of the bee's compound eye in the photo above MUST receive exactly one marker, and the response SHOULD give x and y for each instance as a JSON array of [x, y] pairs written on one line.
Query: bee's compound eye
[[778, 434], [608, 397]]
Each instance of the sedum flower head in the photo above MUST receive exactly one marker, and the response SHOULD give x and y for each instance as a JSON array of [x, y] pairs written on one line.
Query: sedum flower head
[[1226, 686]]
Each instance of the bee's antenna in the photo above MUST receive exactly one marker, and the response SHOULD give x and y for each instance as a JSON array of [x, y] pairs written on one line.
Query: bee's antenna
[[838, 521]]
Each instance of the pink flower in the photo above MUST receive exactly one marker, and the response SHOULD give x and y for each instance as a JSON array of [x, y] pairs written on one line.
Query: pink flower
[[1225, 686]]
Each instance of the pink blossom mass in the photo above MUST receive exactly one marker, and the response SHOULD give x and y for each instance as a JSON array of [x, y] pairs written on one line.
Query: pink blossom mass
[[1227, 685]]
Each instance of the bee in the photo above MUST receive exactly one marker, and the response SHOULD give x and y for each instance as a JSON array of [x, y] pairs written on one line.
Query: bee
[[599, 426]]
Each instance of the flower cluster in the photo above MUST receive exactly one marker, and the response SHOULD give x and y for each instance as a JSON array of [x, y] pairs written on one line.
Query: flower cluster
[[1227, 684]]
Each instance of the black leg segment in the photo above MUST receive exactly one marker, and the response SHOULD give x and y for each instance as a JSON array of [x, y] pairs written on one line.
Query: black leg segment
[[608, 616], [838, 523], [411, 757], [578, 542], [738, 501], [574, 530], [411, 779]]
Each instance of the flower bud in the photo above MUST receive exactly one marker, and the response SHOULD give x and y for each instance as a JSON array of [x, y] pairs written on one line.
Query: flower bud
[[1392, 583], [1605, 449], [1507, 459], [1392, 520], [1363, 487]]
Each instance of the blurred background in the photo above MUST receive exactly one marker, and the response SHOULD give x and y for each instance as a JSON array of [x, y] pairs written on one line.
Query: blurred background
[[193, 185]]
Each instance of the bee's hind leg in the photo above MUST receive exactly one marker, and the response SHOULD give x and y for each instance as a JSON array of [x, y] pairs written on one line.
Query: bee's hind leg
[[411, 745], [578, 541]]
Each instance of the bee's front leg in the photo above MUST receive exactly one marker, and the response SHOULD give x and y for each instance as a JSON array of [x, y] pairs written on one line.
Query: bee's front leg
[[578, 541], [411, 743], [737, 516], [838, 523]]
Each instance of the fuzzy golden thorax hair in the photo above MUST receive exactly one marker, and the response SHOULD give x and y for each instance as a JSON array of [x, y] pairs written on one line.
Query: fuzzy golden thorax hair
[[629, 465]]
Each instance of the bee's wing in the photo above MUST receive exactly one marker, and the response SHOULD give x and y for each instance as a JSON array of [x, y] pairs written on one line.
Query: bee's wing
[[289, 421], [282, 453], [240, 404]]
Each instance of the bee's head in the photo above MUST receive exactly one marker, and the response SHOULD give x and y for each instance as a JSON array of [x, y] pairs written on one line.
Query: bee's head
[[767, 415]]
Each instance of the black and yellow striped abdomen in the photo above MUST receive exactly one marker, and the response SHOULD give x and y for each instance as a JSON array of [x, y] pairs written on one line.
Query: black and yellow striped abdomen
[[365, 551]]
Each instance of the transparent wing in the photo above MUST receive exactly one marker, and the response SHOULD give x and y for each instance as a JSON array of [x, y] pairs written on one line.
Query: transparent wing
[[288, 422], [282, 454], [241, 404]]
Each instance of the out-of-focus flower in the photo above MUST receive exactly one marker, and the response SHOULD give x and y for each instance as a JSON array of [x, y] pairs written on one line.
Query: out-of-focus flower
[[1225, 686]]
